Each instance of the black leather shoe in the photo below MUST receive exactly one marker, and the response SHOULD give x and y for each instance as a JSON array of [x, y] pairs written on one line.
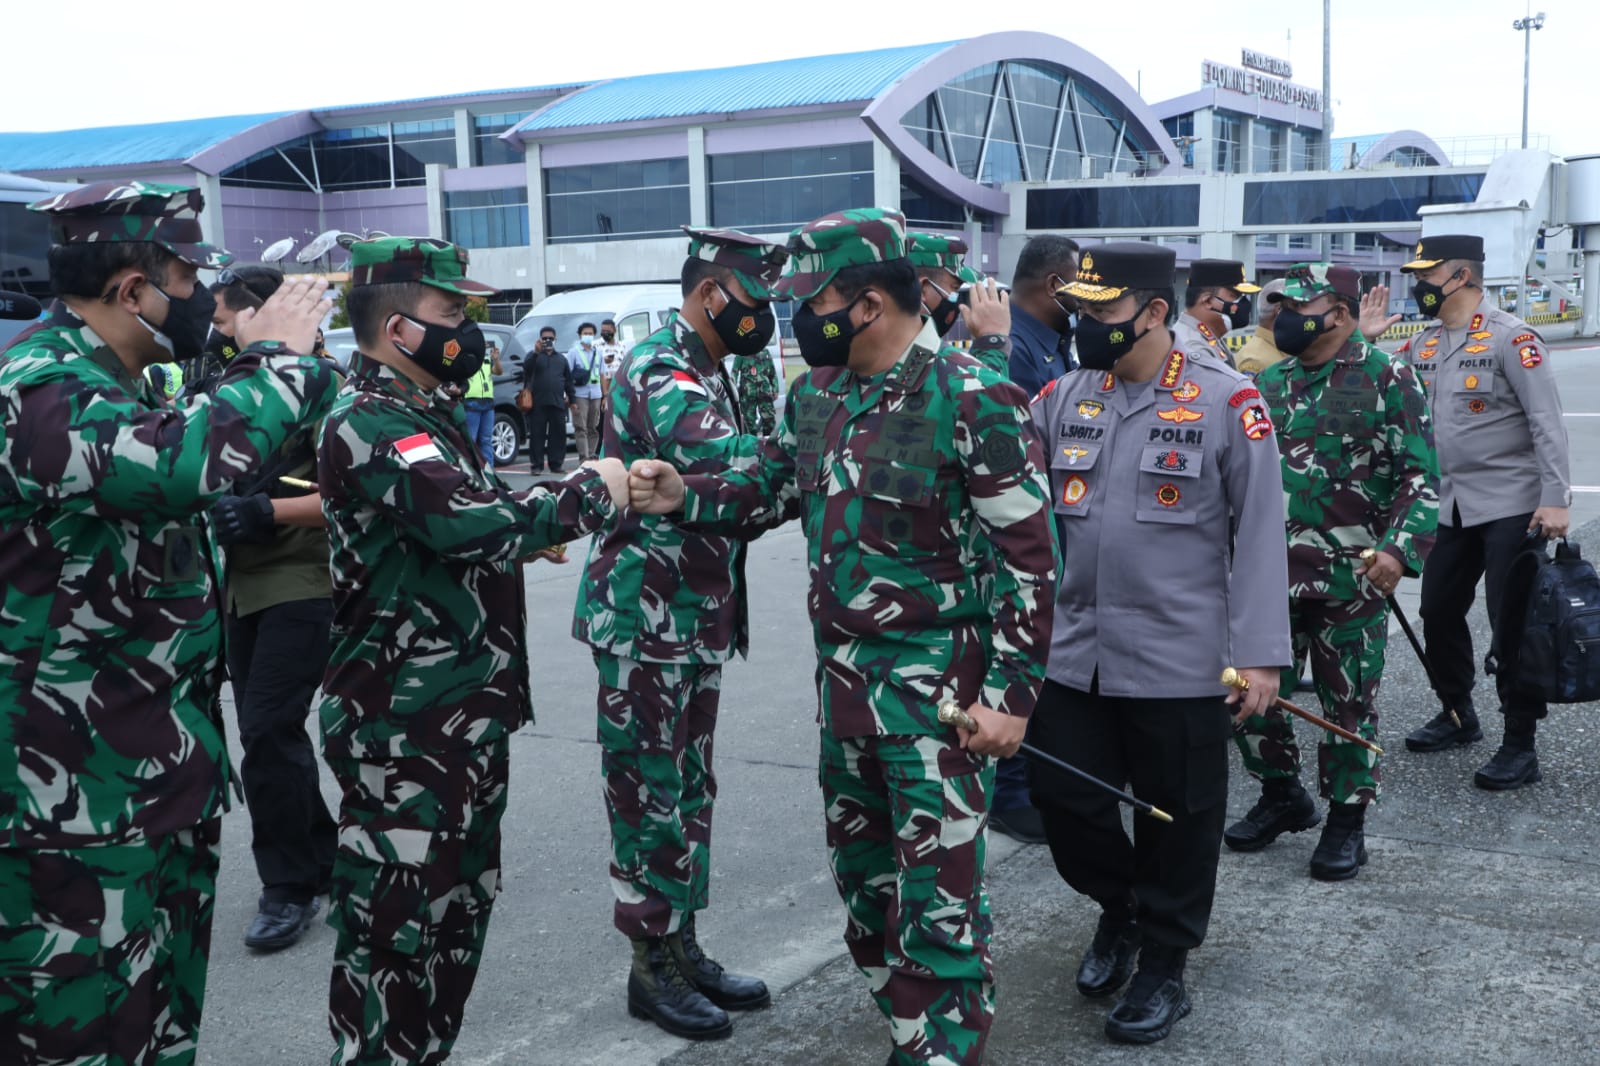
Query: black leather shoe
[[730, 991], [1511, 767], [1109, 960], [1022, 824], [659, 992], [1342, 851], [1442, 733], [1154, 1002], [1281, 809], [277, 925]]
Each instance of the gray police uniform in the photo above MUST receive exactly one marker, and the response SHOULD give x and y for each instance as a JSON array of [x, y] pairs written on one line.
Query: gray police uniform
[[1191, 335], [1502, 453], [1145, 480]]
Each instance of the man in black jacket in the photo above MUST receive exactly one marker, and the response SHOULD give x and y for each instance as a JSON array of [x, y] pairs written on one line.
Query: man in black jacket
[[545, 375]]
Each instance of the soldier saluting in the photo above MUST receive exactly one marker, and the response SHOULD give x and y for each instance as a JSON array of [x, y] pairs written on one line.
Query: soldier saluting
[[1358, 472], [1503, 475], [1153, 449]]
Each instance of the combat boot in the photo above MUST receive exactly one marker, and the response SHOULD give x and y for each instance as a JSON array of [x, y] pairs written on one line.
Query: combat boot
[[1284, 807], [1515, 764], [1442, 732], [730, 991], [1155, 1001], [1109, 960], [1342, 851], [659, 992]]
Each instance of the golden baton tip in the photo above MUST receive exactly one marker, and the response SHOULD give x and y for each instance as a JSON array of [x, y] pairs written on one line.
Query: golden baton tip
[[1368, 554], [1157, 812], [298, 482], [1233, 679]]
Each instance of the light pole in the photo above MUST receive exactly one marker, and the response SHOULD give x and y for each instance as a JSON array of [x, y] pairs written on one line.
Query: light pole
[[1526, 26]]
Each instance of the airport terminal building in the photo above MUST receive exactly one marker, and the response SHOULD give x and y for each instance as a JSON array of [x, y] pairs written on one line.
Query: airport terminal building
[[998, 137]]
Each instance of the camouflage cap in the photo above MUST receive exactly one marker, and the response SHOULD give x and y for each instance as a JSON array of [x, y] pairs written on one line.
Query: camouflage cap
[[821, 248], [1307, 281], [936, 250], [429, 260], [757, 263], [168, 215]]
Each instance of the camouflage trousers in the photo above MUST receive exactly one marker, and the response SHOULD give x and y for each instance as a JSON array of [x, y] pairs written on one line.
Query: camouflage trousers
[[1345, 641], [906, 817], [103, 950], [414, 880], [760, 416], [656, 725]]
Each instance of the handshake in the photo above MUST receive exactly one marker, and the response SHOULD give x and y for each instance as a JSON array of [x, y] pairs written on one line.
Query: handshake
[[650, 486]]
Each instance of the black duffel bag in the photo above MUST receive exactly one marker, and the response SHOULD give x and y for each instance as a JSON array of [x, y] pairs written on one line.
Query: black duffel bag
[[1547, 638]]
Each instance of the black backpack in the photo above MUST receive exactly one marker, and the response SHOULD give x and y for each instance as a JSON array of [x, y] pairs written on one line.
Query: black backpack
[[1547, 638]]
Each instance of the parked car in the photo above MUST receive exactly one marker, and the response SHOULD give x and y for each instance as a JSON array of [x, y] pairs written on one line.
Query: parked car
[[508, 424]]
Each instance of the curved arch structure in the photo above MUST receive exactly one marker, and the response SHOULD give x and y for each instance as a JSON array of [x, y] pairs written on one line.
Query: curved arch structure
[[1399, 139], [883, 114]]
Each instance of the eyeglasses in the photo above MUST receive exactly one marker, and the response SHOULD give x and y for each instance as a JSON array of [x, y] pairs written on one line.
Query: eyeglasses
[[229, 277]]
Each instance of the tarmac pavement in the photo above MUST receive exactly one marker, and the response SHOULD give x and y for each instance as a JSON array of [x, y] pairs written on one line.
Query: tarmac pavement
[[1473, 936]]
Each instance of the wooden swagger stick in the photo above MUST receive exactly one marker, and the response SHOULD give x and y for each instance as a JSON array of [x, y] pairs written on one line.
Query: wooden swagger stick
[[950, 713], [1416, 645], [1234, 679]]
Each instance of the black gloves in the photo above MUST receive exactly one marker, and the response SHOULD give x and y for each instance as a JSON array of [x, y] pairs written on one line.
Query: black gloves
[[243, 519]]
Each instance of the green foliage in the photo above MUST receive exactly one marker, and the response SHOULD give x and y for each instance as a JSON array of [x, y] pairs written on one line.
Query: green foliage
[[341, 310]]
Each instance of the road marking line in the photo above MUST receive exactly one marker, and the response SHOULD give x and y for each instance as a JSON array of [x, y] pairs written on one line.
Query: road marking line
[[1586, 488]]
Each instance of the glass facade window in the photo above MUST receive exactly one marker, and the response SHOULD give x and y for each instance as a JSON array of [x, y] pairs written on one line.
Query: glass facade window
[[926, 209], [24, 250], [1227, 137], [1118, 207], [1026, 120], [487, 218], [787, 187], [1305, 150], [616, 201], [1269, 147], [355, 158], [487, 148], [272, 170], [416, 144], [1369, 198]]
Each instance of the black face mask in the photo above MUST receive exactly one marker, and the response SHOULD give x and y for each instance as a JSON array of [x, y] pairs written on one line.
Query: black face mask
[[1430, 297], [743, 330], [825, 339], [188, 322], [221, 345], [607, 336], [449, 353], [1237, 311], [1101, 344], [945, 312], [1293, 333]]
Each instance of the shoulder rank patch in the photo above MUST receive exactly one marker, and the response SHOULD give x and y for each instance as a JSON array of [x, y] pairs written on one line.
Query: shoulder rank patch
[[1049, 387], [1477, 321], [417, 448], [687, 382], [1255, 421], [1090, 408], [1528, 355], [1109, 382], [1168, 495], [1180, 415], [1431, 342], [1073, 492], [1172, 373], [1205, 331], [1482, 335], [1476, 348], [1186, 392], [1428, 352], [1523, 338], [1242, 395]]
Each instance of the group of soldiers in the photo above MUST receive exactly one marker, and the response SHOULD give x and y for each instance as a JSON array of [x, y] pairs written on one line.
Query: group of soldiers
[[1076, 571]]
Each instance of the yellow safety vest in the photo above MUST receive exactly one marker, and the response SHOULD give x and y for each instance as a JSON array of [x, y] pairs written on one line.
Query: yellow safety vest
[[481, 386]]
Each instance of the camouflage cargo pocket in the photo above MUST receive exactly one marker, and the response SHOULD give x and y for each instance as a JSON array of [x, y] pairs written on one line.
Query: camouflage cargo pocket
[[380, 886]]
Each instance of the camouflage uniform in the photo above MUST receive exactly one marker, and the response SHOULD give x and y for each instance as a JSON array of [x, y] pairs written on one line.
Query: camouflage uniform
[[664, 609], [933, 252], [427, 677], [899, 480], [113, 767], [1359, 471], [756, 380]]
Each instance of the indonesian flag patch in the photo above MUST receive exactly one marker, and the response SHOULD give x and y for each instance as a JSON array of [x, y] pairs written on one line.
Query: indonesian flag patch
[[687, 382], [416, 448]]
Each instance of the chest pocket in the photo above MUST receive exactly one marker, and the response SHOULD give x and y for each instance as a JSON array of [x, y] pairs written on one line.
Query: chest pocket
[[1168, 483], [1473, 392], [811, 429], [895, 508], [1074, 476]]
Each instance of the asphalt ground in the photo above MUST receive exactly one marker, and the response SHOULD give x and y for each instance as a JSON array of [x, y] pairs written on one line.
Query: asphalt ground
[[1473, 936]]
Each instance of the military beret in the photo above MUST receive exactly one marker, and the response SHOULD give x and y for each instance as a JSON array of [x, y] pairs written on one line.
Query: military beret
[[821, 248], [1431, 251], [389, 260], [158, 213], [757, 263], [1106, 271], [937, 250], [1307, 281], [1221, 274]]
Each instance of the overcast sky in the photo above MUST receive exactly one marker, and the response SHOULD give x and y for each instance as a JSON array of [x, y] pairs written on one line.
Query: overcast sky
[[1450, 68]]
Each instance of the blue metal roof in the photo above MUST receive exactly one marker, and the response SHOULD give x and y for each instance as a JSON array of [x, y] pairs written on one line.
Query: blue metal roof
[[783, 83], [122, 145]]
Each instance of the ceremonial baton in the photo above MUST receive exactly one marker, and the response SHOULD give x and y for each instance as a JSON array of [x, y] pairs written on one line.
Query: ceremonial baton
[[298, 482], [950, 713], [1234, 679], [1416, 645]]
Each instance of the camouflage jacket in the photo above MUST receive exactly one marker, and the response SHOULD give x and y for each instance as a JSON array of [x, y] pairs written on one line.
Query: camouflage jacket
[[429, 629], [1359, 469], [756, 380], [111, 641], [655, 592], [903, 482]]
